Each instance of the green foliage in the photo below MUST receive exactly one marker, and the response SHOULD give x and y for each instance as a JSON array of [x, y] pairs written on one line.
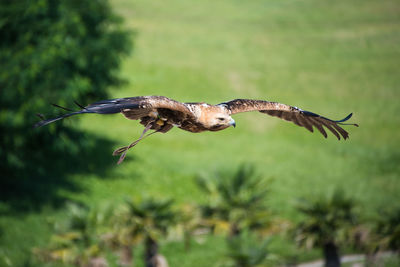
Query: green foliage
[[328, 219], [124, 229], [153, 217], [392, 261], [77, 238], [245, 250], [388, 229], [51, 51], [131, 222], [237, 199], [86, 235], [191, 223]]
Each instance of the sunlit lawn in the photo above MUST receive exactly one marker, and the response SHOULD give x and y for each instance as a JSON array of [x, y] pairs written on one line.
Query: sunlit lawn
[[331, 58]]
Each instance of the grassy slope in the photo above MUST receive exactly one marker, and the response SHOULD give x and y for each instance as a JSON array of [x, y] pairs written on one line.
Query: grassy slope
[[328, 58]]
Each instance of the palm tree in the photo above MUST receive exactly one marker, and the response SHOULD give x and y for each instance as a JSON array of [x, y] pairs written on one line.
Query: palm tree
[[77, 240], [124, 233], [236, 200], [329, 222], [191, 223], [153, 219]]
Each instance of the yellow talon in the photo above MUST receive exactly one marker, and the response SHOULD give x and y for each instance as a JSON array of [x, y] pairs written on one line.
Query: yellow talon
[[160, 122]]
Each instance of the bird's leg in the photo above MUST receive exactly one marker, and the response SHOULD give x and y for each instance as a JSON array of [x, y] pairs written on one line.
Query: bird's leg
[[124, 149]]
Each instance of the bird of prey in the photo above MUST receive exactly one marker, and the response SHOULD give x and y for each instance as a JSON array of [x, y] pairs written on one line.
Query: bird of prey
[[161, 114]]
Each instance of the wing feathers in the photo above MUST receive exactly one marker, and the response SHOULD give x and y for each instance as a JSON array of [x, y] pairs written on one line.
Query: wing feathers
[[320, 128], [287, 116], [45, 122], [132, 107], [318, 121], [102, 107], [298, 116], [341, 131], [295, 120], [115, 105], [304, 122]]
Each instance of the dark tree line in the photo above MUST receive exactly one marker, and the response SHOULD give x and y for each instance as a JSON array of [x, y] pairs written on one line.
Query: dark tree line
[[51, 51]]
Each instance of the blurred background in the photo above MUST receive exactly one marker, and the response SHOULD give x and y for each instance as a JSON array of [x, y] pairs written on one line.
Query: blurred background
[[266, 193]]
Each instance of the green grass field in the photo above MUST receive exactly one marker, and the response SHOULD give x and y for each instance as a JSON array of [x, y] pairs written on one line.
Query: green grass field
[[331, 58]]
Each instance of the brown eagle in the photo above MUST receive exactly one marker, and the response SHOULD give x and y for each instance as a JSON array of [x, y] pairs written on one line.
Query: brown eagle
[[161, 114]]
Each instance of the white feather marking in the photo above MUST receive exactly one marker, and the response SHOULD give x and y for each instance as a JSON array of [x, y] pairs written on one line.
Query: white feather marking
[[196, 111]]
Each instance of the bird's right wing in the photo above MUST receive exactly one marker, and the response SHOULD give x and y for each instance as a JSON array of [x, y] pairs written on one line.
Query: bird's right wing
[[131, 107]]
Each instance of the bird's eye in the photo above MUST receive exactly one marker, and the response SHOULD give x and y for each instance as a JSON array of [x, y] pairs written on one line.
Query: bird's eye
[[221, 119]]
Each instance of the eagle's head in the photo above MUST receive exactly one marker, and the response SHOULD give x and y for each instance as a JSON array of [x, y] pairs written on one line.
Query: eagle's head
[[216, 118], [221, 121]]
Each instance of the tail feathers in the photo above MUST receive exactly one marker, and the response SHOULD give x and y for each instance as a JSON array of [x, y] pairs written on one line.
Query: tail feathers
[[45, 122]]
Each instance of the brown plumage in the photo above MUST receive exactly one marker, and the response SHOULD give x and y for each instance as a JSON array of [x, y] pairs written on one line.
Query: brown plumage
[[161, 114]]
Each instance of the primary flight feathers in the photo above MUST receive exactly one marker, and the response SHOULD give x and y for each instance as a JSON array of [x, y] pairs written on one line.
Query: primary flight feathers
[[161, 114]]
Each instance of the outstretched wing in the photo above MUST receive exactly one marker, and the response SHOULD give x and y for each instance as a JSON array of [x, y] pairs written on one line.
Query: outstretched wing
[[296, 115], [138, 107], [131, 107]]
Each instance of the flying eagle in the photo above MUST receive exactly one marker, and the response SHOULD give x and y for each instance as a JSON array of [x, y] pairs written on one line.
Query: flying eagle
[[161, 114]]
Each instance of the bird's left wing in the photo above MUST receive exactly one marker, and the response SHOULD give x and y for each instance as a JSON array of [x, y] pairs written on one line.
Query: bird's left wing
[[296, 115], [146, 104]]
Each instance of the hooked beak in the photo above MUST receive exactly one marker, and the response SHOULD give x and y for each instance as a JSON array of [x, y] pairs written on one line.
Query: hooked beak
[[232, 123]]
